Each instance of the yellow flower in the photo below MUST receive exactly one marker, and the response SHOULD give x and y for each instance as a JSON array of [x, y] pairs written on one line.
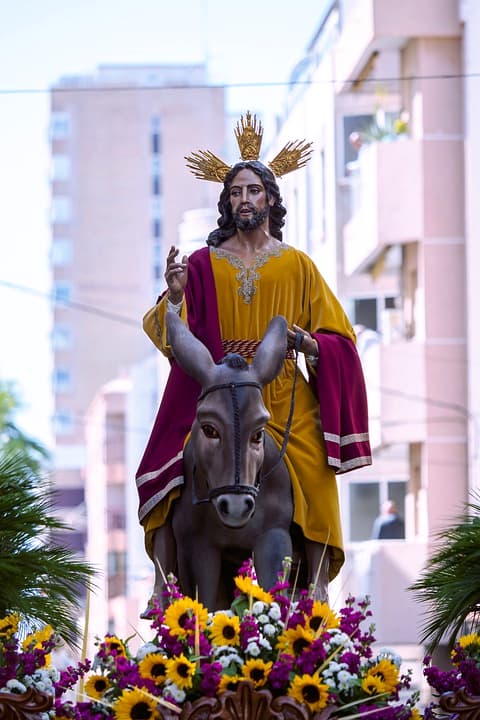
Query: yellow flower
[[257, 671], [466, 640], [373, 685], [114, 645], [322, 617], [135, 705], [96, 686], [181, 670], [294, 640], [35, 640], [416, 714], [387, 672], [225, 630], [308, 690], [177, 614], [246, 585], [154, 666], [229, 682], [9, 625]]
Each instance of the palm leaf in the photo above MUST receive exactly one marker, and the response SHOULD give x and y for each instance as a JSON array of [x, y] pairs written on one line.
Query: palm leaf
[[450, 584], [40, 580]]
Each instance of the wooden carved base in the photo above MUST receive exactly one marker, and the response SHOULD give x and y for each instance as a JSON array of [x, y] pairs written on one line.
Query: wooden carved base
[[24, 706], [246, 703], [461, 704]]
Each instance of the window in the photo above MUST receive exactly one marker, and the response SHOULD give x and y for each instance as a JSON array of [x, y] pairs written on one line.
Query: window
[[156, 185], [60, 125], [62, 380], [364, 501], [61, 209], [60, 169], [62, 292], [156, 207], [61, 252], [369, 311], [63, 422], [157, 228], [61, 337]]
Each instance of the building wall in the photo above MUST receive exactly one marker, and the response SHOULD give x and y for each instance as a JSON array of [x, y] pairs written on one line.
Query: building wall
[[119, 190]]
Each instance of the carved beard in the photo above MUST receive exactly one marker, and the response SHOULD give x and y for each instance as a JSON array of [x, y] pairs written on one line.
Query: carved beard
[[252, 223]]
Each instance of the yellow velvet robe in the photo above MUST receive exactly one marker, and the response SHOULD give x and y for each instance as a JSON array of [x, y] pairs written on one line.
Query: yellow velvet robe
[[283, 281]]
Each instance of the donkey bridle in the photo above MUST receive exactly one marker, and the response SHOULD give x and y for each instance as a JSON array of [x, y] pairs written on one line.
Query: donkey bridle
[[239, 488]]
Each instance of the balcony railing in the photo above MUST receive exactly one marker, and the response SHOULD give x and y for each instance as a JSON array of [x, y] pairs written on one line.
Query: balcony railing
[[386, 201]]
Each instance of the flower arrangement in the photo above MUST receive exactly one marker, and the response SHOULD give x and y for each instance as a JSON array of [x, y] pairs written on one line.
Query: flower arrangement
[[300, 649], [26, 663], [465, 671]]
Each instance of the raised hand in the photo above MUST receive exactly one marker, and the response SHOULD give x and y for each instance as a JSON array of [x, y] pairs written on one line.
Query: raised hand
[[176, 275]]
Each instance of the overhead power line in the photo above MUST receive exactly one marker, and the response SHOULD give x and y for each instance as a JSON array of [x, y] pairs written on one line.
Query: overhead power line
[[227, 86]]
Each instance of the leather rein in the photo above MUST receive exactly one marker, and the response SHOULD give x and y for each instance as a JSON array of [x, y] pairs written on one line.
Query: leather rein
[[239, 488]]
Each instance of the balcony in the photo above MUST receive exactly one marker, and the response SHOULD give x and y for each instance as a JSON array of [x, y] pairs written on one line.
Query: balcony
[[386, 201], [372, 26], [403, 410]]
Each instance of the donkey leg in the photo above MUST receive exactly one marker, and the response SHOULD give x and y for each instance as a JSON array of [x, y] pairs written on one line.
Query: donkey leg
[[318, 562], [269, 552], [164, 561]]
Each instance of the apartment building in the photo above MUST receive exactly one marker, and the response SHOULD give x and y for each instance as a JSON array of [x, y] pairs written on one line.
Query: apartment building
[[381, 208], [119, 191]]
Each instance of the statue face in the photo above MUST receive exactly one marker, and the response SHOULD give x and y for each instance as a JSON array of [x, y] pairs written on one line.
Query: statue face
[[248, 198]]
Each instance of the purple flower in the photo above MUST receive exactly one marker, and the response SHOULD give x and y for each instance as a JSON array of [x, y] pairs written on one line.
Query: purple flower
[[280, 673], [211, 674]]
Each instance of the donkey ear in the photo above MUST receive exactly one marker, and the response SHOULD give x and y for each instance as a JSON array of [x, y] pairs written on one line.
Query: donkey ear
[[270, 354], [190, 353]]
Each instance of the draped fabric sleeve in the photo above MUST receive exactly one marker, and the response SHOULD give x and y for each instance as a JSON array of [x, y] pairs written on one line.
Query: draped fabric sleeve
[[155, 326]]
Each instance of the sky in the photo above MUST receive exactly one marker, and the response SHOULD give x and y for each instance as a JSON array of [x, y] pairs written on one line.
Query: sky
[[250, 47]]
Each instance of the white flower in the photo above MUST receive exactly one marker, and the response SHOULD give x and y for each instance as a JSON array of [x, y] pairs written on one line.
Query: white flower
[[274, 611], [15, 686], [258, 607], [345, 680], [264, 643], [388, 654], [146, 649], [173, 691], [253, 649], [263, 619], [269, 629], [228, 658], [41, 686]]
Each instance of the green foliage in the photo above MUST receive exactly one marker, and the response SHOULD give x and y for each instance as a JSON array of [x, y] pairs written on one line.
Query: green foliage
[[450, 584], [38, 579], [12, 440]]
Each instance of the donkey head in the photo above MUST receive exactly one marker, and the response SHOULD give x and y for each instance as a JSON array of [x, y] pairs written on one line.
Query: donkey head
[[228, 431]]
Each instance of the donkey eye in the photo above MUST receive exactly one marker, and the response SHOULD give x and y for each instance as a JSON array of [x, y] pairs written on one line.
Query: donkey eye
[[210, 432], [257, 437]]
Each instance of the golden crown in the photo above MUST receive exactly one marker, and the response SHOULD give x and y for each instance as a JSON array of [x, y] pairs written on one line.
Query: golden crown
[[248, 133]]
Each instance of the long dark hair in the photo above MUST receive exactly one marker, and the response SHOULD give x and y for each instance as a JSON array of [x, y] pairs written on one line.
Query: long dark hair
[[226, 225]]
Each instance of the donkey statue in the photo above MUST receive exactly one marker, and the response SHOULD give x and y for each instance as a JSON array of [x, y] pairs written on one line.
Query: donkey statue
[[236, 500]]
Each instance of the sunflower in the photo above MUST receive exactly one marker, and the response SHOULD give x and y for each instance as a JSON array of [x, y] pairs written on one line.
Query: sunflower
[[180, 670], [257, 671], [467, 640], [113, 645], [154, 667], [387, 672], [225, 630], [9, 625], [96, 686], [308, 690], [35, 640], [322, 617], [180, 611], [373, 685], [135, 705], [294, 640], [415, 714], [246, 586], [229, 682]]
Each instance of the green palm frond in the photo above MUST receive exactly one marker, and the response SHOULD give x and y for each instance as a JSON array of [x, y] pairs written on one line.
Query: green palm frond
[[38, 579], [450, 584]]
